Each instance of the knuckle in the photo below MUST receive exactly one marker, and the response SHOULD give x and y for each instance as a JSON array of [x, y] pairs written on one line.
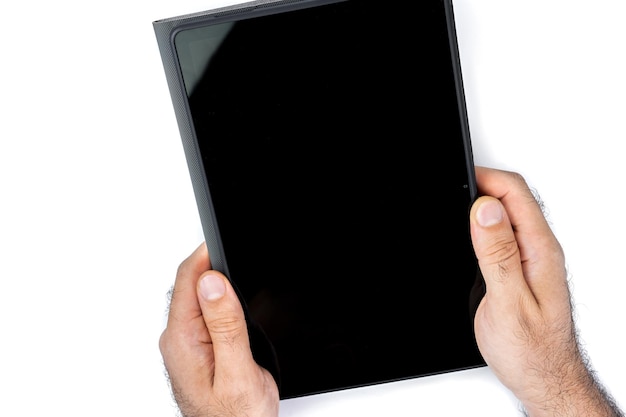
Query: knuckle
[[517, 178], [183, 267], [163, 343], [227, 329], [504, 254]]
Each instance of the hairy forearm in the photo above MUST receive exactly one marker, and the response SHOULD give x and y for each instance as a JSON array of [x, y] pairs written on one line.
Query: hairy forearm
[[580, 395]]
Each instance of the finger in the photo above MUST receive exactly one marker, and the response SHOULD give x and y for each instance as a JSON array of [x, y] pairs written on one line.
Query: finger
[[525, 213], [225, 321], [497, 253], [541, 255], [183, 341], [184, 305]]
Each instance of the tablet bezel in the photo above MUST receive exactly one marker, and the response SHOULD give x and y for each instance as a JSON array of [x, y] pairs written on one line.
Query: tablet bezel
[[166, 31]]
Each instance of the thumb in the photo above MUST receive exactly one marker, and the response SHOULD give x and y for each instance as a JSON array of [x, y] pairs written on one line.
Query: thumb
[[497, 251], [225, 321]]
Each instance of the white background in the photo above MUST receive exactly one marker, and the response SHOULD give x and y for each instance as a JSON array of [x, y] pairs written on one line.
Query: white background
[[97, 211]]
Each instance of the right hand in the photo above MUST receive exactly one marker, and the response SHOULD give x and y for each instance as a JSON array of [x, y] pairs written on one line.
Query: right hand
[[524, 325]]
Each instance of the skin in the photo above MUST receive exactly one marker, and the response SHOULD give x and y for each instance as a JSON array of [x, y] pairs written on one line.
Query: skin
[[206, 350], [524, 325]]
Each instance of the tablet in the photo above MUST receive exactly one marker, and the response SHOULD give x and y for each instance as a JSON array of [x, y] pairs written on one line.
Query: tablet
[[329, 152]]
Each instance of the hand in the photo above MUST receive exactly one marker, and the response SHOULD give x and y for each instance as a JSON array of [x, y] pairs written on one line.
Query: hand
[[206, 350], [524, 326]]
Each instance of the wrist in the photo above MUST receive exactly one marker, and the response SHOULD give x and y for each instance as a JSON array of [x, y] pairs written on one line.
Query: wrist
[[582, 395]]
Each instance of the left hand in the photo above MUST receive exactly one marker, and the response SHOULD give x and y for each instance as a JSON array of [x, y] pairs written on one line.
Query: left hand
[[206, 348]]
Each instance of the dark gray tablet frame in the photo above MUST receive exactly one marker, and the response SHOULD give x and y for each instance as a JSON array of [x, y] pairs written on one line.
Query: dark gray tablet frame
[[167, 29]]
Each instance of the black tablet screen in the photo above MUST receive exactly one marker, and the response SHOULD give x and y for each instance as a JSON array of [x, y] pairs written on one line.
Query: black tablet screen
[[337, 166]]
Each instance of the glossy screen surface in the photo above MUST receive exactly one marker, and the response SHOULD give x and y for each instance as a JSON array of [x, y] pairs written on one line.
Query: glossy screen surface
[[337, 169]]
